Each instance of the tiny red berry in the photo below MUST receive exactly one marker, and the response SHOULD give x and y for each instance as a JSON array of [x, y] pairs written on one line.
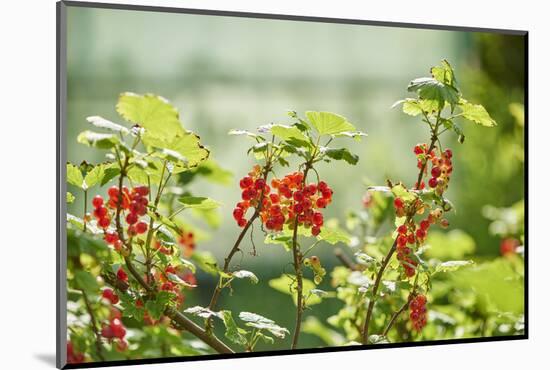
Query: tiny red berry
[[141, 227]]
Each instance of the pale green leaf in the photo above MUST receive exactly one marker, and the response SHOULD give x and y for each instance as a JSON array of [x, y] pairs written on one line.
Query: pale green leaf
[[94, 176], [243, 274], [198, 202], [476, 113], [450, 266], [74, 176], [97, 140], [70, 197], [259, 322], [327, 123], [101, 122], [232, 331], [152, 112]]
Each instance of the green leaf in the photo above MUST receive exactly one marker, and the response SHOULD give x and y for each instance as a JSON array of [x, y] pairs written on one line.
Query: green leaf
[[377, 339], [232, 331], [155, 307], [86, 281], [476, 113], [285, 132], [70, 197], [259, 322], [357, 135], [97, 140], [198, 202], [399, 191], [186, 144], [243, 274], [435, 92], [334, 235], [235, 132], [287, 284], [444, 73], [450, 266], [188, 264], [206, 262], [454, 127], [327, 123], [203, 312], [101, 122], [152, 112], [74, 176], [94, 176], [341, 154], [284, 240]]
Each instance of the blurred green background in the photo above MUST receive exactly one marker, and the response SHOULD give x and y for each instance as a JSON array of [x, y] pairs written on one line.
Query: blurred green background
[[224, 73]]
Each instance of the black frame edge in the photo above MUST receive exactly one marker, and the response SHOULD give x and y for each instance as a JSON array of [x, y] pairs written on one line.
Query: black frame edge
[[288, 17]]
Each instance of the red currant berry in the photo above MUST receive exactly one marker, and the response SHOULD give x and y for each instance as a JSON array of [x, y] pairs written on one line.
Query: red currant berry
[[398, 203], [424, 225], [321, 203], [97, 201], [402, 229], [315, 230], [131, 218], [448, 153], [122, 275], [318, 219], [259, 184], [104, 222], [432, 182], [100, 212], [238, 214], [141, 227], [246, 182], [242, 222], [142, 190], [113, 192], [418, 149], [436, 171]]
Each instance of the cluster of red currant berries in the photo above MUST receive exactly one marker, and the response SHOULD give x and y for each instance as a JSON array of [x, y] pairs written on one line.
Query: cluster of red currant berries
[[288, 199], [74, 357], [441, 170], [114, 330], [134, 202], [412, 233], [417, 312]]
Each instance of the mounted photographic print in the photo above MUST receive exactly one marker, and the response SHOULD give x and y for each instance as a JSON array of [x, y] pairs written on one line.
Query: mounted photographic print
[[238, 185]]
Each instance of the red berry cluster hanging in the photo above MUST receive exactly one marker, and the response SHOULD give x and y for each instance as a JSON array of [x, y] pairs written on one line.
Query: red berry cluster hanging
[[187, 243], [253, 188], [411, 234], [441, 170], [417, 312], [110, 295], [114, 330], [302, 202], [134, 202], [73, 357], [286, 200]]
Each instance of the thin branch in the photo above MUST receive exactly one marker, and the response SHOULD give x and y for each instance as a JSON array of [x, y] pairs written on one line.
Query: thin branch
[[93, 324]]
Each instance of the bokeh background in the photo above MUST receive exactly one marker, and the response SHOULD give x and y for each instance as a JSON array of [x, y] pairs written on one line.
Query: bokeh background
[[227, 72]]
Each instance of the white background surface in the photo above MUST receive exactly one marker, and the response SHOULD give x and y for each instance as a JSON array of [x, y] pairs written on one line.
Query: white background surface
[[27, 178]]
